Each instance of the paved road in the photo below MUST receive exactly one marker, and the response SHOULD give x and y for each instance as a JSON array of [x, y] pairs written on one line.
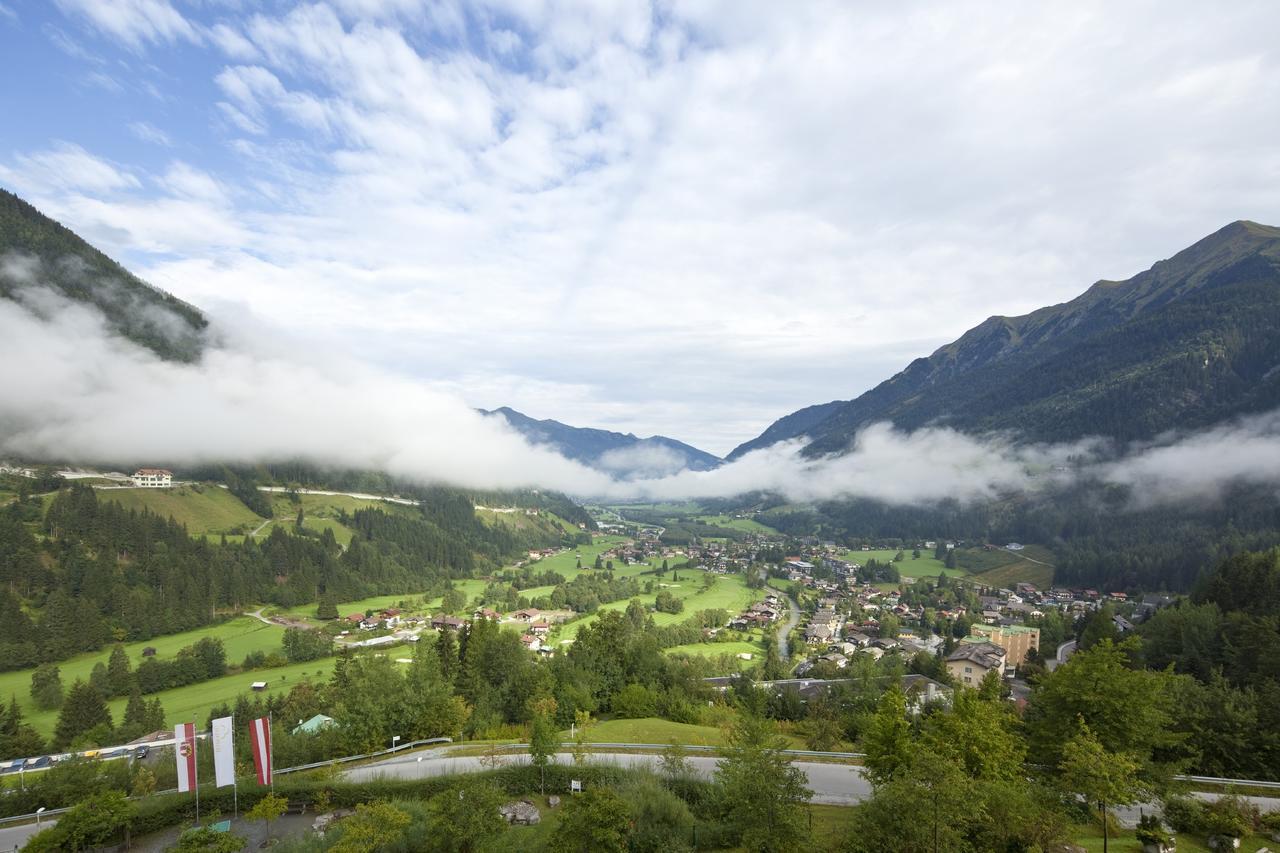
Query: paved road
[[16, 837], [1065, 651], [832, 784]]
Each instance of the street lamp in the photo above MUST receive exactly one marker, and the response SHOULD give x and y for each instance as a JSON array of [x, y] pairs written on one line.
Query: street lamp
[[394, 740], [39, 812]]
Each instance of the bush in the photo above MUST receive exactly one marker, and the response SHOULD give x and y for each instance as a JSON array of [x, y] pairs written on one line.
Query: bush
[[1231, 816], [1184, 814], [1152, 831], [661, 819], [635, 701]]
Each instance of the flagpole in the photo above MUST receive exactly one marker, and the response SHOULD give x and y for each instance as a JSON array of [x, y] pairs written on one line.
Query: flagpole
[[271, 753], [195, 750]]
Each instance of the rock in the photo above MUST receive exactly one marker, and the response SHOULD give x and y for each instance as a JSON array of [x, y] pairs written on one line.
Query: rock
[[523, 813], [553, 801], [1223, 842]]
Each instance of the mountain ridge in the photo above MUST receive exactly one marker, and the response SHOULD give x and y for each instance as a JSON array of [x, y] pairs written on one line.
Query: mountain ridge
[[1112, 351], [623, 453]]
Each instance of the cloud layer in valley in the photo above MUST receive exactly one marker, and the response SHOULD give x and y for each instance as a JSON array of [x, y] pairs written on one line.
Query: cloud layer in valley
[[88, 395], [684, 218]]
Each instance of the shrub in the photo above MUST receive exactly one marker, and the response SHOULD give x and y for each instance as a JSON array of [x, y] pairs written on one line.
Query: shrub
[[1152, 831], [1231, 816], [635, 701], [662, 820], [1184, 814]]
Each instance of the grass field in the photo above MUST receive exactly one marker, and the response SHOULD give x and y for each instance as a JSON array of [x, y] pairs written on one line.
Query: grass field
[[1090, 837], [655, 730], [566, 562], [410, 601], [926, 566], [239, 636], [203, 508], [729, 592], [1001, 568], [717, 650], [746, 525]]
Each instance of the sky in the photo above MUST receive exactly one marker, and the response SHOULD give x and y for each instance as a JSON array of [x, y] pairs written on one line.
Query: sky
[[685, 218]]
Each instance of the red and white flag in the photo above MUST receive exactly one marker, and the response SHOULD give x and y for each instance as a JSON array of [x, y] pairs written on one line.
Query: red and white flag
[[260, 733], [184, 749]]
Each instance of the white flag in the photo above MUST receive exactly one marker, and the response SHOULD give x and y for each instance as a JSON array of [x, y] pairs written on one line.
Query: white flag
[[224, 753], [184, 751]]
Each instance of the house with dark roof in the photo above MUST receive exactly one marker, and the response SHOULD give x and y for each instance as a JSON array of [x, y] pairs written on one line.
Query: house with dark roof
[[970, 662]]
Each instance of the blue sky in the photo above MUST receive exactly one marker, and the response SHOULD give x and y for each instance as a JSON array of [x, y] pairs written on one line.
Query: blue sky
[[686, 218]]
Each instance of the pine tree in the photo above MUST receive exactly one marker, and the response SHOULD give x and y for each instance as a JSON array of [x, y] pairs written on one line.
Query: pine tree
[[17, 738], [84, 709], [119, 672], [447, 652], [328, 608], [135, 717]]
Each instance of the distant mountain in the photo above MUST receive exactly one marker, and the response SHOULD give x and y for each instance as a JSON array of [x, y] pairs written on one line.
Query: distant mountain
[[35, 249], [615, 452], [1191, 341]]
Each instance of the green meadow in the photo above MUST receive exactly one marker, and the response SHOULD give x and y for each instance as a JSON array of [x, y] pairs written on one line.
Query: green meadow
[[202, 507], [925, 566], [239, 637], [746, 525], [730, 592]]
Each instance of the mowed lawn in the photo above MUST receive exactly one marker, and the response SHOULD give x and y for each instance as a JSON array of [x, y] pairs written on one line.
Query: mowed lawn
[[659, 731], [926, 566], [566, 562], [203, 508], [239, 637], [730, 592], [709, 650]]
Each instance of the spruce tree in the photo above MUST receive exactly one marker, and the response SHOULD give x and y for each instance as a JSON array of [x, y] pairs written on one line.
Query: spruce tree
[[83, 709], [119, 672]]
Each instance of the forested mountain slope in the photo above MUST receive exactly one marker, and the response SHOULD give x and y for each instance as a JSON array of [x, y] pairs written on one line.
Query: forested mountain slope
[[1191, 341], [36, 249], [617, 452]]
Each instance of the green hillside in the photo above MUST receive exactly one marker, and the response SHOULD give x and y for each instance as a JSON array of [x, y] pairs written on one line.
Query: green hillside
[[60, 259], [202, 508]]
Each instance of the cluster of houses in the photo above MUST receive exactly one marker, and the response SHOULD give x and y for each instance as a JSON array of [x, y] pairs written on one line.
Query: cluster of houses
[[760, 614]]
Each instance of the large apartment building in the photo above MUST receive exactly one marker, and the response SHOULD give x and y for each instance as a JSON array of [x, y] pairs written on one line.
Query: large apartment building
[[1017, 640]]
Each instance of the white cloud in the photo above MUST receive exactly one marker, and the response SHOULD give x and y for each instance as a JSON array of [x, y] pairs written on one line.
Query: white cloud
[[66, 167], [148, 132], [692, 220], [133, 22]]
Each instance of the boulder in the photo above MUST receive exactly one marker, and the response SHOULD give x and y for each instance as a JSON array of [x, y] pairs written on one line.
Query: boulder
[[553, 801], [522, 813], [1223, 842]]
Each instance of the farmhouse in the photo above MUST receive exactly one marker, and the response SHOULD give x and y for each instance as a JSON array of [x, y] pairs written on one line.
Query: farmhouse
[[152, 478]]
